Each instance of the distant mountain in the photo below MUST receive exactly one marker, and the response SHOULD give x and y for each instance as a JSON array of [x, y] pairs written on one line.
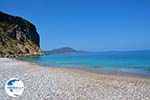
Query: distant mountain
[[62, 50]]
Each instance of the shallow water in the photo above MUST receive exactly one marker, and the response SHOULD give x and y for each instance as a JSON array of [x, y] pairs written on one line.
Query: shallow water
[[132, 62]]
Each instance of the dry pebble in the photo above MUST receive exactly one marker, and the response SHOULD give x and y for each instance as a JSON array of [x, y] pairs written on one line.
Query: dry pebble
[[43, 83]]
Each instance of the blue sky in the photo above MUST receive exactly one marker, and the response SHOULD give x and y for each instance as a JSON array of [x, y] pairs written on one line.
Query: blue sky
[[93, 25]]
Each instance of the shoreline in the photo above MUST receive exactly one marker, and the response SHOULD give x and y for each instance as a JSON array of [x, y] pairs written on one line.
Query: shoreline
[[77, 70], [90, 70], [61, 83]]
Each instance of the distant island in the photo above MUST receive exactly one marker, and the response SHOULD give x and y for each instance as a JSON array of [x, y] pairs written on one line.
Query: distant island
[[62, 50]]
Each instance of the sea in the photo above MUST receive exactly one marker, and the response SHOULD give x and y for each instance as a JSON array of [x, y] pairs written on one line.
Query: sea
[[112, 62]]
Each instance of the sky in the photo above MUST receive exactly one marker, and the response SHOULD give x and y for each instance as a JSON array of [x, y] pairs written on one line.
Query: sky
[[91, 25]]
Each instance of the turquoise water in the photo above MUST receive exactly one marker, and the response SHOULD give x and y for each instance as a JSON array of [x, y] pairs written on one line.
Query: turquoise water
[[132, 62]]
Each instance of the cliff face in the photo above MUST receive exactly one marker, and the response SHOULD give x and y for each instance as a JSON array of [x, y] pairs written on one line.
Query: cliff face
[[17, 36]]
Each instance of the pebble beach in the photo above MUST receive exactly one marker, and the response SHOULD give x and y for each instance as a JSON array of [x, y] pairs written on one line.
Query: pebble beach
[[51, 83]]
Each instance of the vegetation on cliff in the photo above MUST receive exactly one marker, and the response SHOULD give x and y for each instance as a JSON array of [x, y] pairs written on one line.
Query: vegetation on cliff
[[18, 37]]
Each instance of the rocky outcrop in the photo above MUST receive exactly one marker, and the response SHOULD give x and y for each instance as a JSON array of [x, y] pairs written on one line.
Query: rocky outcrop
[[17, 37]]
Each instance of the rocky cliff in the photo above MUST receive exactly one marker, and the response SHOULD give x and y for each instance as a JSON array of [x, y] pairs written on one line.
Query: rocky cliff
[[18, 37]]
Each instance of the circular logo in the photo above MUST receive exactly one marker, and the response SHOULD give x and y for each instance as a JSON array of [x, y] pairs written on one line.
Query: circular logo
[[14, 87]]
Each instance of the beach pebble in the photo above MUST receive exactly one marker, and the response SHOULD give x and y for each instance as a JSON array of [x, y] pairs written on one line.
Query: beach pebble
[[65, 84]]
